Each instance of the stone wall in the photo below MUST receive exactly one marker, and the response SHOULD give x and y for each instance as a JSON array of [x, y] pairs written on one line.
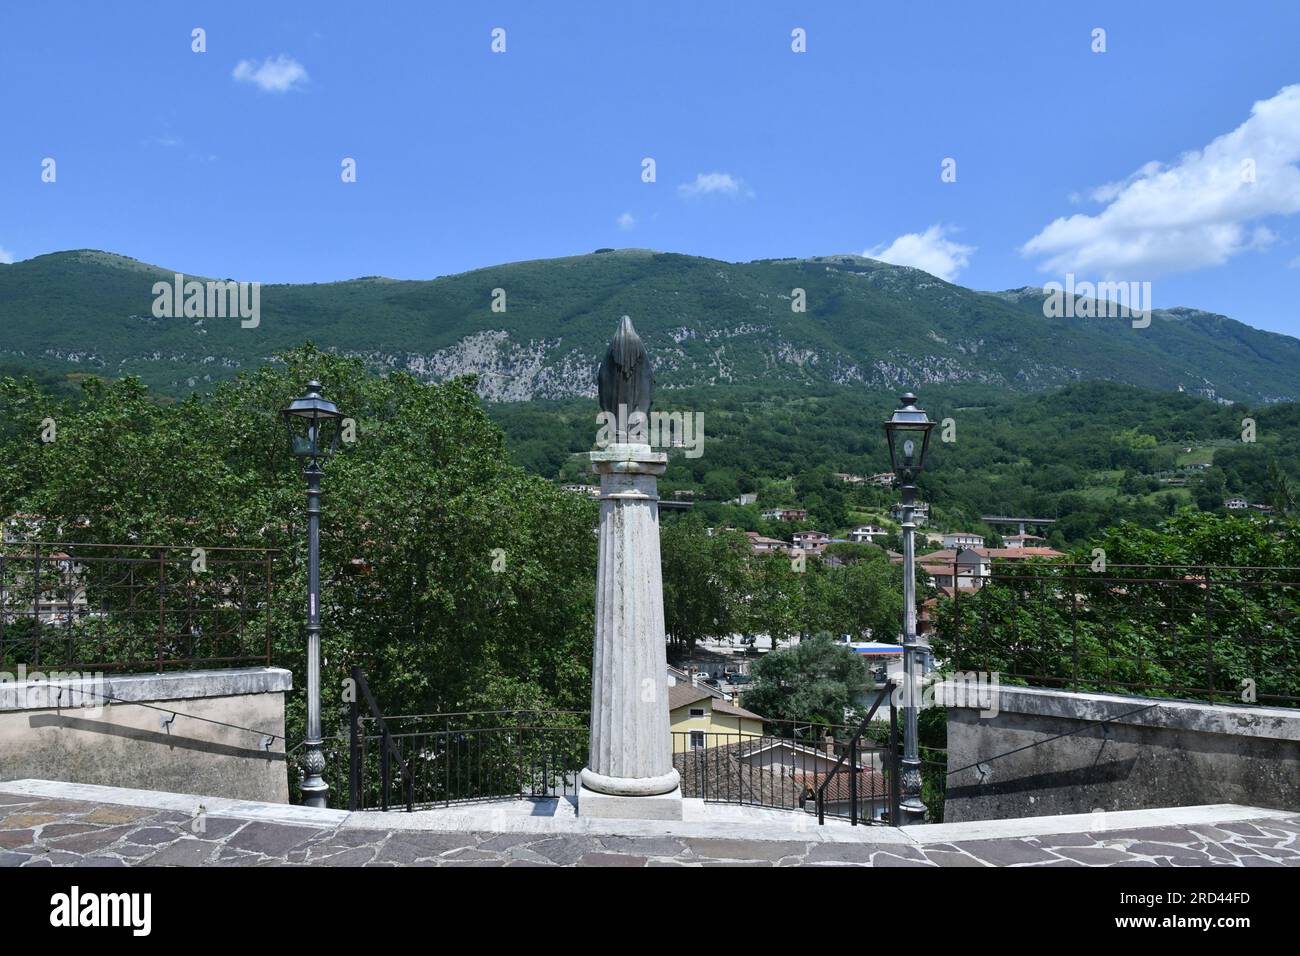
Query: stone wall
[[59, 728], [1149, 753]]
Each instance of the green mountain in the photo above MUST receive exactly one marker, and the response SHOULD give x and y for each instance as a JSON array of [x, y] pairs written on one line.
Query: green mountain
[[705, 322]]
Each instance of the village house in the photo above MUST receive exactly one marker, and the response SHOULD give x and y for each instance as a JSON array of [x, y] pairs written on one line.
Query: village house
[[811, 540], [920, 512], [867, 534], [785, 514], [760, 544], [962, 539], [699, 720], [967, 569], [1023, 541]]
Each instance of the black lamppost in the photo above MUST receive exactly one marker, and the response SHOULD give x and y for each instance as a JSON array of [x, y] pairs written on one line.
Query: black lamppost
[[313, 424], [908, 426]]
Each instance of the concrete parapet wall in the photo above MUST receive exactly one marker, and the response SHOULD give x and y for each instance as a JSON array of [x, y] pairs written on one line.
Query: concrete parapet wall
[[1148, 753], [117, 731]]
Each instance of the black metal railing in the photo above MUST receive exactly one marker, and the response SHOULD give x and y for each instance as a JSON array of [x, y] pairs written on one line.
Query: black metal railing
[[122, 607], [417, 761], [786, 765], [1218, 633]]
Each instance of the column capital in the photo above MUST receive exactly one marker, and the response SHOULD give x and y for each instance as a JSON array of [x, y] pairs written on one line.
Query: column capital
[[628, 460]]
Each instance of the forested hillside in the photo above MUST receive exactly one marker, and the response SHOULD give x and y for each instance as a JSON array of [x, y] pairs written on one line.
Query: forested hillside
[[536, 329]]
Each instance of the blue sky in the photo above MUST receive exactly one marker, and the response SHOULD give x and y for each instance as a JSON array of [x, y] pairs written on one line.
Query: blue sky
[[1120, 164]]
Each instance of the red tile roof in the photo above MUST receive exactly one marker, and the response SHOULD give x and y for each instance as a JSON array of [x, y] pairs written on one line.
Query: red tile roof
[[871, 784]]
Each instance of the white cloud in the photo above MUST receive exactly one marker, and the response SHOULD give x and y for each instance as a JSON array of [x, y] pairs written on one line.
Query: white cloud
[[626, 221], [276, 75], [1200, 211], [1294, 263], [6, 256], [705, 184], [931, 251]]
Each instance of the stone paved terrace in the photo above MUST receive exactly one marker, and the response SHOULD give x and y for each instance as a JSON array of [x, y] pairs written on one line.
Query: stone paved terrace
[[44, 823]]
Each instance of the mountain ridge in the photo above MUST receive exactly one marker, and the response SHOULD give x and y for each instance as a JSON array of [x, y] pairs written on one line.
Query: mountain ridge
[[867, 324]]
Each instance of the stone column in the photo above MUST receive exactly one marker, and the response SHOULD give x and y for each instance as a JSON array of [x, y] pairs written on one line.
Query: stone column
[[630, 771]]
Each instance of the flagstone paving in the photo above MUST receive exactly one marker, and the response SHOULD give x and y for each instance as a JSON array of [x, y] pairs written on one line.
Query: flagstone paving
[[41, 831]]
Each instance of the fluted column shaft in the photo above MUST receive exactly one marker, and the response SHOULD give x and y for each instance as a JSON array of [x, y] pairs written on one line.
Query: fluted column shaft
[[631, 745]]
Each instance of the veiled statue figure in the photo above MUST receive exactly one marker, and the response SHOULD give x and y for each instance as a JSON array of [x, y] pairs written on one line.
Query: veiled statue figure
[[625, 377]]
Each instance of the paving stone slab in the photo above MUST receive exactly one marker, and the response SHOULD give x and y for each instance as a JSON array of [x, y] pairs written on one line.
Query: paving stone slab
[[272, 839], [113, 814], [566, 850], [851, 852], [410, 847], [1006, 852], [950, 858], [888, 859], [13, 839], [1094, 855], [153, 836], [342, 856], [90, 841], [186, 852], [744, 849], [648, 846], [611, 859]]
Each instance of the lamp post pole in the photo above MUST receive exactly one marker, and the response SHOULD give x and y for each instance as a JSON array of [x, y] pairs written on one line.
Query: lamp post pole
[[911, 809], [313, 423], [908, 426], [315, 791]]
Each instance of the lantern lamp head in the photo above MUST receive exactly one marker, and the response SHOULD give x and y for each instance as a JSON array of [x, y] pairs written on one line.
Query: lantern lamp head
[[313, 423], [907, 427]]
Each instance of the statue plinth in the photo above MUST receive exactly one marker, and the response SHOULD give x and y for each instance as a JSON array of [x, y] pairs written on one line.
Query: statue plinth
[[630, 771]]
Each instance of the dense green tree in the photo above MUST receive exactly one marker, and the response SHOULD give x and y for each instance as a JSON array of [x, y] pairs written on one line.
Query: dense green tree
[[1201, 602], [704, 581], [818, 680], [478, 585]]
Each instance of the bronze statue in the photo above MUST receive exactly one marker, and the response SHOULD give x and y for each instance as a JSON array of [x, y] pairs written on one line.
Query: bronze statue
[[625, 382]]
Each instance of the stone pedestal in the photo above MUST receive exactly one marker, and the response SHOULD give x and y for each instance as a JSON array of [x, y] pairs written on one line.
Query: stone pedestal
[[630, 772]]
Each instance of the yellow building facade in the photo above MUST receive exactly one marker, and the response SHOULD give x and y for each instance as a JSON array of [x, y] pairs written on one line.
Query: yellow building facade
[[700, 720]]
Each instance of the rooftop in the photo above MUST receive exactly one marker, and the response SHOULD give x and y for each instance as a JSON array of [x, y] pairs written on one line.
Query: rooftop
[[679, 695]]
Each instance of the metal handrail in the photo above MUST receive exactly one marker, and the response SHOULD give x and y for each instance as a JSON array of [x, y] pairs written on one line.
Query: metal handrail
[[389, 750], [852, 753]]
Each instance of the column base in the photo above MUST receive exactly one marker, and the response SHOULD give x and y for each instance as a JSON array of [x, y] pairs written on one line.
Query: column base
[[608, 806]]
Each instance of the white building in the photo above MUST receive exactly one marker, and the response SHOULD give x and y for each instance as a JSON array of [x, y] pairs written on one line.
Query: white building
[[867, 534], [963, 539], [920, 512]]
